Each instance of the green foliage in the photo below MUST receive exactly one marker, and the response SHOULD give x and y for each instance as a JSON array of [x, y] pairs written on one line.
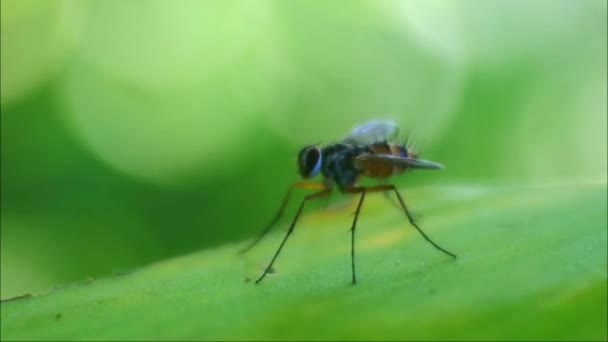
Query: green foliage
[[134, 133], [532, 265]]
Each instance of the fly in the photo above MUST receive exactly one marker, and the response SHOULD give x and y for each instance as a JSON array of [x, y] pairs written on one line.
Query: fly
[[368, 151]]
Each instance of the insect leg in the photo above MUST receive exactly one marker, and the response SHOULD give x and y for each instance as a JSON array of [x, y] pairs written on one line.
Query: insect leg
[[362, 190], [310, 197], [380, 188], [387, 195], [411, 219], [302, 185]]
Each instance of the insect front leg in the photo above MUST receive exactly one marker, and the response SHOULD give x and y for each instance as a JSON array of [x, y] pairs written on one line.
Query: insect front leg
[[302, 185], [320, 194]]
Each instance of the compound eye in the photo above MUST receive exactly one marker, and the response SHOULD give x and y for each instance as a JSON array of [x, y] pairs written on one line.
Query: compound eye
[[310, 161]]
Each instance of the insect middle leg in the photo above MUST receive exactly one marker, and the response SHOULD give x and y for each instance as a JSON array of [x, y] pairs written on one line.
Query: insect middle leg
[[362, 191], [320, 194], [382, 188]]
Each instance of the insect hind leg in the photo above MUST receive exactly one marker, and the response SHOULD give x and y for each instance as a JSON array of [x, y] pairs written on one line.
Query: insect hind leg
[[387, 194], [389, 187]]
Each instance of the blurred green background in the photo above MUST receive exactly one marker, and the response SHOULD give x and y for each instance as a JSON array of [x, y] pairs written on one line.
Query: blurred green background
[[136, 131]]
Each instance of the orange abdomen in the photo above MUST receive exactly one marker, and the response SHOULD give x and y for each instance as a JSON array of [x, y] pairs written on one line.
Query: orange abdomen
[[382, 170]]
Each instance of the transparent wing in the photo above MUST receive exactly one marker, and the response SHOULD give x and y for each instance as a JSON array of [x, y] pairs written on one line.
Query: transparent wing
[[371, 132], [413, 163]]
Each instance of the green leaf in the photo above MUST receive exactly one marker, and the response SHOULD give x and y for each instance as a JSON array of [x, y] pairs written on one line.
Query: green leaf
[[532, 265]]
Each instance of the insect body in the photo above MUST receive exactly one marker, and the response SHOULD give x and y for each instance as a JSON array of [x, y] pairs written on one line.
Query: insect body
[[368, 151], [345, 163]]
